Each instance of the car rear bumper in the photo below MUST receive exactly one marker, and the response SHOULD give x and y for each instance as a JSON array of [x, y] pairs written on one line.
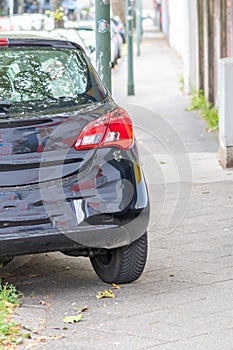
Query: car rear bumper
[[80, 238], [102, 209]]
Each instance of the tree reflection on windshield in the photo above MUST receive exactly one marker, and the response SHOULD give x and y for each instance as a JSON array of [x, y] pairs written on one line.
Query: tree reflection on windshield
[[46, 78]]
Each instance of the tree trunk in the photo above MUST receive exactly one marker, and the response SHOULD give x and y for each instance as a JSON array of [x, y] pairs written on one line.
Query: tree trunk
[[55, 4], [18, 6], [118, 9], [200, 45], [223, 29], [58, 13]]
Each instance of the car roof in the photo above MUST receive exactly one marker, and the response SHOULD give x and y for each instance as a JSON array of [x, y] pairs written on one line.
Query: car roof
[[25, 33], [24, 38], [70, 34]]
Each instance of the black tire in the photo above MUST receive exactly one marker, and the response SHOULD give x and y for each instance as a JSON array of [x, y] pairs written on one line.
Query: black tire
[[122, 265]]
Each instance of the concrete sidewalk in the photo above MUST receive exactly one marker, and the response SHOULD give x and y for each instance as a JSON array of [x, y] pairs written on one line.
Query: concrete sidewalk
[[183, 300], [192, 264]]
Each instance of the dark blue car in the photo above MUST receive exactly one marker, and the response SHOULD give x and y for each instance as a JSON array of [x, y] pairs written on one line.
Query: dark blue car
[[70, 176]]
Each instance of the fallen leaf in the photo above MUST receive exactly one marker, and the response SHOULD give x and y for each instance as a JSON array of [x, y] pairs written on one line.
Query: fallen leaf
[[78, 310], [58, 337], [27, 328], [73, 319], [35, 340], [27, 336], [8, 304], [42, 339], [43, 303], [33, 275], [115, 286], [106, 294]]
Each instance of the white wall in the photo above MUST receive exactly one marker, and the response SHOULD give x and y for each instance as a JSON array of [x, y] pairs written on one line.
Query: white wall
[[180, 28], [177, 25], [147, 4]]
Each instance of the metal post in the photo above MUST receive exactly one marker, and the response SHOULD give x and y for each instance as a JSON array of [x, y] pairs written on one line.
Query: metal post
[[41, 6], [139, 25], [103, 41], [129, 18], [11, 7], [225, 109]]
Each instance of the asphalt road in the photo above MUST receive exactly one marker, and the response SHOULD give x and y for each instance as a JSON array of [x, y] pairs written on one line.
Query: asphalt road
[[184, 298]]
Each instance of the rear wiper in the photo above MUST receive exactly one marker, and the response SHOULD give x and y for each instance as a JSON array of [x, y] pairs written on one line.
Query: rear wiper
[[4, 107]]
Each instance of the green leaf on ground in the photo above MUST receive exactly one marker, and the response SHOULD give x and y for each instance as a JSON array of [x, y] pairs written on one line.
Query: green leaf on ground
[[106, 294], [73, 319]]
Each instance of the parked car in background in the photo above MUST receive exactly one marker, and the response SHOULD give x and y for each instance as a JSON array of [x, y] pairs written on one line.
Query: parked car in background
[[70, 178], [73, 35], [87, 32], [32, 21], [5, 24]]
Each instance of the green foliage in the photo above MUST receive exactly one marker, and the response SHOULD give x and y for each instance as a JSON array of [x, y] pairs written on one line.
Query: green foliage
[[58, 17], [207, 110], [9, 330], [181, 81], [9, 293], [198, 101], [211, 116]]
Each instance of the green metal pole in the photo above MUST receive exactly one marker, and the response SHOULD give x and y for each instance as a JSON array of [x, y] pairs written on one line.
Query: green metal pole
[[103, 41], [139, 25], [129, 11]]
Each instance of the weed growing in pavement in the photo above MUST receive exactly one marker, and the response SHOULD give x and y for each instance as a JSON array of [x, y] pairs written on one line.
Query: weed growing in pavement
[[9, 330], [207, 110], [181, 81], [9, 293]]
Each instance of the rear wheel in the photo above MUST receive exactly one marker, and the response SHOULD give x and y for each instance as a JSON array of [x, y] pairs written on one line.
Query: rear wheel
[[122, 265]]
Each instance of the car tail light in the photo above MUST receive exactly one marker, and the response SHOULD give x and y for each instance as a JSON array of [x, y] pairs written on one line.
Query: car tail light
[[4, 42], [114, 129]]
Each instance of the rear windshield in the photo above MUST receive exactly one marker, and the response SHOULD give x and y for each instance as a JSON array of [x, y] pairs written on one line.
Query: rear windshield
[[43, 78]]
